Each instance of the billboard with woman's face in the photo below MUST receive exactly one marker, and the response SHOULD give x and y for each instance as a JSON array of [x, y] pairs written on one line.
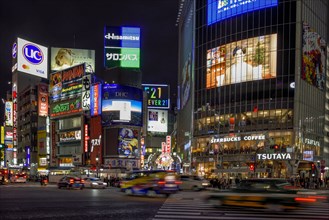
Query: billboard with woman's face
[[241, 61]]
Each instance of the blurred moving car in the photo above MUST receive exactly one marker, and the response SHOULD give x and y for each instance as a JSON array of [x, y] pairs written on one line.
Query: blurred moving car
[[93, 182], [4, 179], [71, 182], [150, 183], [195, 183], [19, 178], [270, 194]]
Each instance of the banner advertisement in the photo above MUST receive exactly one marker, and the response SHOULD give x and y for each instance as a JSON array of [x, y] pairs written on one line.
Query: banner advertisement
[[96, 100], [43, 100], [63, 58], [69, 136], [314, 57], [9, 113], [86, 84], [241, 61], [121, 163]]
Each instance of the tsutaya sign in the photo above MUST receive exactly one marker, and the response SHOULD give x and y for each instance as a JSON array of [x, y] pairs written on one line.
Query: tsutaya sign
[[236, 139], [278, 156]]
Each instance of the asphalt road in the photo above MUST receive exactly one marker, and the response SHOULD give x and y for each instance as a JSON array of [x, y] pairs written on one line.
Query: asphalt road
[[32, 201]]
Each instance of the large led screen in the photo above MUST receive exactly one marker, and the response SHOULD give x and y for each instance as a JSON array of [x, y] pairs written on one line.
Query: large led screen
[[314, 57], [221, 9], [245, 60], [128, 142], [157, 120], [121, 105], [62, 58], [32, 58], [122, 47]]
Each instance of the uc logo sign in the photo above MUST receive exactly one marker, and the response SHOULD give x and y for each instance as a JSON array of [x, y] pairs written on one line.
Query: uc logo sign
[[33, 54]]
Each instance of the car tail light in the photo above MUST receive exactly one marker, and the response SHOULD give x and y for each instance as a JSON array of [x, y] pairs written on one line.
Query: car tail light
[[82, 181], [71, 180], [302, 199], [161, 182], [16, 176], [178, 182]]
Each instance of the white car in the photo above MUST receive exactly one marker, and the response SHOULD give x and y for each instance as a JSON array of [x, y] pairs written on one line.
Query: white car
[[93, 182], [19, 178], [195, 183]]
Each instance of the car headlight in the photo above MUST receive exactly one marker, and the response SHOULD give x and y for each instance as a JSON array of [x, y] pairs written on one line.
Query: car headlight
[[94, 183], [205, 184], [104, 184]]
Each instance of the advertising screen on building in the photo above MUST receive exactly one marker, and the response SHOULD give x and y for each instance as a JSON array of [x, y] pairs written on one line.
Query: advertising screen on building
[[245, 60], [43, 100], [9, 113], [96, 99], [66, 107], [66, 83], [308, 155], [314, 57], [157, 120], [128, 142], [32, 58], [122, 47], [121, 105], [221, 9], [157, 95], [62, 58]]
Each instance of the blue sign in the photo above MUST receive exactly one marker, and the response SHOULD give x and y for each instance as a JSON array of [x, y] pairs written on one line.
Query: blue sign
[[222, 9], [33, 54], [14, 50]]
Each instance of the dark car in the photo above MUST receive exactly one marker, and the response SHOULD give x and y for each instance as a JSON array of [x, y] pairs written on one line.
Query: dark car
[[71, 182], [271, 194]]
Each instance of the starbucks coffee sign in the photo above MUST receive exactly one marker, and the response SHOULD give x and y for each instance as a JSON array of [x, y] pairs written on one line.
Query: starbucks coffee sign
[[237, 139], [277, 156]]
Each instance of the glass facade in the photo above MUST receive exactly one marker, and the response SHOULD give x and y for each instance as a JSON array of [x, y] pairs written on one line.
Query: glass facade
[[249, 93]]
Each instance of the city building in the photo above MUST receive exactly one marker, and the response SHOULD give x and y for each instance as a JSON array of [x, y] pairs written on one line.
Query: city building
[[252, 77]]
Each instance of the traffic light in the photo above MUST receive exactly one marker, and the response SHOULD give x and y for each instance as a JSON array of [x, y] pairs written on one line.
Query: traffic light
[[251, 167]]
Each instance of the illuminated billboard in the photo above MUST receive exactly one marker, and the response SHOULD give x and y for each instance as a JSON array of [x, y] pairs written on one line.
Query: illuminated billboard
[[128, 142], [62, 58], [157, 95], [245, 60], [314, 57], [121, 105], [43, 100], [9, 113], [221, 9], [32, 58], [66, 83], [122, 47], [66, 107], [96, 99], [157, 120]]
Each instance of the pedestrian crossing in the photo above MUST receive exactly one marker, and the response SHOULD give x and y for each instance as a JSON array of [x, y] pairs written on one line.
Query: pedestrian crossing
[[183, 206]]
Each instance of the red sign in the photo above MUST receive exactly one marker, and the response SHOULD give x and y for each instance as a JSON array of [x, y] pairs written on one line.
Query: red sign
[[43, 100], [86, 138], [164, 147], [53, 144], [168, 142]]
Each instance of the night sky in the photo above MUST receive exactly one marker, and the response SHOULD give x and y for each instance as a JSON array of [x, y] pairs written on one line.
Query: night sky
[[80, 24]]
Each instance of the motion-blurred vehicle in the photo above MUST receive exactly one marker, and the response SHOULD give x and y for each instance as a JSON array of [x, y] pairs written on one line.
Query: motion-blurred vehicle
[[150, 183], [195, 183], [70, 182], [269, 194], [93, 182], [19, 178], [4, 176]]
